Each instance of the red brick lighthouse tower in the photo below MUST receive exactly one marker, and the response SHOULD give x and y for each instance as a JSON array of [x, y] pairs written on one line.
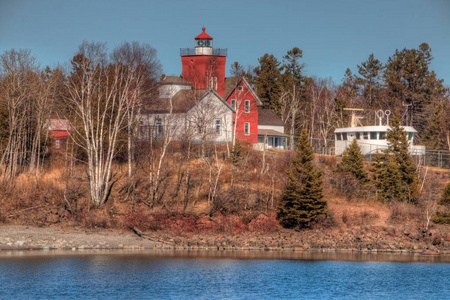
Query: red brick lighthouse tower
[[204, 65]]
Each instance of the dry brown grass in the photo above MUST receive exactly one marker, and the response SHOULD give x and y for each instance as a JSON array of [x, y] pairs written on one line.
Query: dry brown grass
[[246, 198], [359, 212]]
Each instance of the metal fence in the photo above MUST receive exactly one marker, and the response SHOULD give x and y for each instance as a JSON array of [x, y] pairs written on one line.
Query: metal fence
[[431, 158], [215, 51]]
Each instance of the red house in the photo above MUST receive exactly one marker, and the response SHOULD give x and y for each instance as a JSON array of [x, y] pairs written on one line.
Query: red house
[[246, 104], [204, 70], [59, 130]]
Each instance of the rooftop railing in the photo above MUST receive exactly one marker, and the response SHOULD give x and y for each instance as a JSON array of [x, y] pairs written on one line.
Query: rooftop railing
[[215, 51]]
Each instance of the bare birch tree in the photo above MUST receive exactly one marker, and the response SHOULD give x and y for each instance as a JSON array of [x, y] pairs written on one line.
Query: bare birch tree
[[19, 86], [98, 93], [145, 69]]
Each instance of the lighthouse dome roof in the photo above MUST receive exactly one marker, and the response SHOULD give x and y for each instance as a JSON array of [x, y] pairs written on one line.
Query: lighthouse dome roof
[[203, 35]]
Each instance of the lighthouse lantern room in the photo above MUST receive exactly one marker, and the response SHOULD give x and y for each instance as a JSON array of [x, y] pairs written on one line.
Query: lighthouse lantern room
[[203, 43]]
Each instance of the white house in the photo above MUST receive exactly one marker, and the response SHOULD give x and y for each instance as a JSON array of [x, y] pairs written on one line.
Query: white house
[[270, 131], [182, 112]]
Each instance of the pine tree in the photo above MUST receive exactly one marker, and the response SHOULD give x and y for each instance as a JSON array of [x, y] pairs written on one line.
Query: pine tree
[[409, 80], [268, 84], [370, 79], [353, 162], [386, 177], [302, 200], [437, 134], [445, 199], [398, 148]]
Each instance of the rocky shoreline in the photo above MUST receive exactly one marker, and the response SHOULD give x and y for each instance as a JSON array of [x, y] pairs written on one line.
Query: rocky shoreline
[[366, 239]]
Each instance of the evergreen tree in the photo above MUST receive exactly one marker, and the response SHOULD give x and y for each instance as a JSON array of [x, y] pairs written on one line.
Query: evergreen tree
[[445, 199], [302, 200], [237, 70], [398, 148], [437, 134], [409, 81], [370, 80], [353, 162], [386, 177], [268, 84]]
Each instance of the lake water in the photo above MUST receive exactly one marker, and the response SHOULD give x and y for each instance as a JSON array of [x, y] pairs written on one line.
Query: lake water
[[116, 275]]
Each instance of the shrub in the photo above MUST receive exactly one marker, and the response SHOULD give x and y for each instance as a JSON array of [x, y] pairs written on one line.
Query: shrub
[[445, 198], [264, 224], [441, 218], [96, 218], [136, 219]]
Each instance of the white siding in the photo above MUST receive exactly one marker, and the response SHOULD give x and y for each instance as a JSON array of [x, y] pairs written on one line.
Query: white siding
[[169, 90], [279, 128]]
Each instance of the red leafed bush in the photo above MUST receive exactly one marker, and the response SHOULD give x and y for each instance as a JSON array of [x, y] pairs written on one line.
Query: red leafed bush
[[264, 224]]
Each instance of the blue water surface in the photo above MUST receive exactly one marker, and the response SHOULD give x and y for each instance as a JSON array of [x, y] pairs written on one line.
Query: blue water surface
[[147, 277]]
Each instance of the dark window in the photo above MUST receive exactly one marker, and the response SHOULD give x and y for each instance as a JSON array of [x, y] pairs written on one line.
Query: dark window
[[358, 136], [338, 136], [410, 135], [233, 104], [344, 136], [158, 128], [218, 126], [382, 135], [366, 135], [246, 128], [247, 106], [373, 135]]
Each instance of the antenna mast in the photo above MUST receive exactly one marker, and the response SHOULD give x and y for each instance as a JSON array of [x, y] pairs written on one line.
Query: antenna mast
[[355, 119]]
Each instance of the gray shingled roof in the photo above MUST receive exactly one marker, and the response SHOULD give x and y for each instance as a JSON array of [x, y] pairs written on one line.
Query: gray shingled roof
[[174, 79], [181, 102], [268, 117]]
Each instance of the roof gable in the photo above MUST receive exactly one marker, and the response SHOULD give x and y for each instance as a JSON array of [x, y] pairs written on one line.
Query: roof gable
[[245, 82], [181, 102]]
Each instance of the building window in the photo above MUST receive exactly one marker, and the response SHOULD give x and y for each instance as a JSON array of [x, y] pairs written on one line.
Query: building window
[[57, 144], [366, 135], [247, 106], [338, 136], [373, 135], [233, 104], [344, 136], [358, 136], [410, 135], [218, 126], [211, 82], [158, 128], [215, 83], [247, 128], [382, 135], [240, 88]]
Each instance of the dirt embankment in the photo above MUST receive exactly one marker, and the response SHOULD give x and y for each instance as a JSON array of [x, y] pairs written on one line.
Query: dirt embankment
[[363, 239]]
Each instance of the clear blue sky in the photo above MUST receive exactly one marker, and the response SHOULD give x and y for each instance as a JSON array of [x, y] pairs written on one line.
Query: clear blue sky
[[333, 34]]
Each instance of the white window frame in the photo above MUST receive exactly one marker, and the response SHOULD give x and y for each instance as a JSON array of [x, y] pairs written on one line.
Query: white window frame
[[247, 126], [240, 88], [215, 83], [218, 126], [233, 104], [57, 144], [159, 130], [247, 106]]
